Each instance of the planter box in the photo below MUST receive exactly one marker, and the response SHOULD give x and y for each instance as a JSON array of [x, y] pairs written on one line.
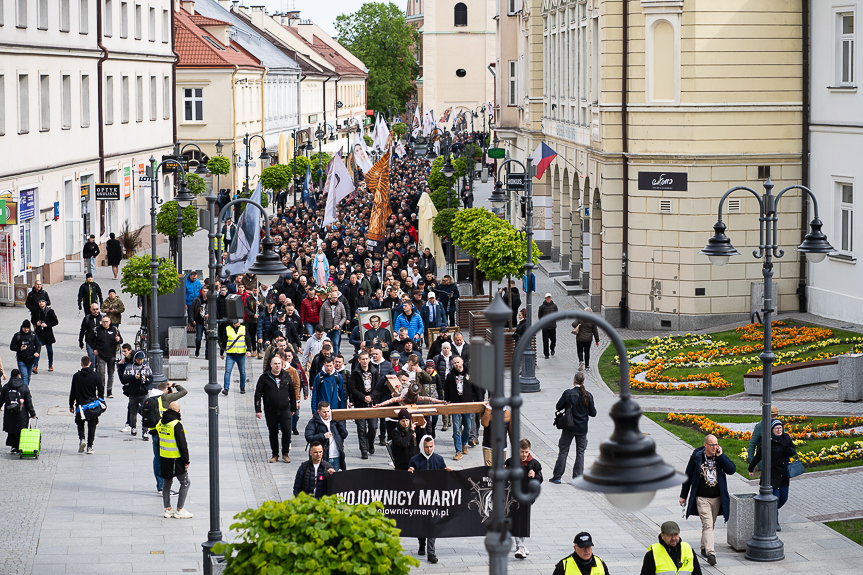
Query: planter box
[[741, 522], [509, 345], [465, 305], [217, 564]]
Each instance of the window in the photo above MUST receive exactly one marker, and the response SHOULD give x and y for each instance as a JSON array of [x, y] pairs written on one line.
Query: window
[[139, 98], [64, 15], [66, 102], [460, 14], [193, 104], [152, 98], [1, 13], [109, 100], [109, 18], [663, 61], [84, 17], [166, 26], [513, 6], [124, 100], [21, 13], [124, 19], [42, 15], [85, 101], [2, 101], [166, 96], [846, 218], [513, 82], [846, 49], [44, 102], [152, 23], [137, 21], [23, 104]]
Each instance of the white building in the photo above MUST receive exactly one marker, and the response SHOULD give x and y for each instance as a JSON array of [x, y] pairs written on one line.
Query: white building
[[836, 139], [85, 98]]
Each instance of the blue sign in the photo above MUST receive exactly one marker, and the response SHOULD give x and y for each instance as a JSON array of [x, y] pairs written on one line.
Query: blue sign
[[56, 210], [27, 207]]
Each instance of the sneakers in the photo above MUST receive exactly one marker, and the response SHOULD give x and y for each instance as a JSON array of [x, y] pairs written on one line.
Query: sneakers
[[580, 366], [82, 445], [242, 391], [382, 442], [224, 392], [555, 481], [90, 450], [521, 553], [286, 458], [274, 459], [444, 428], [144, 436], [134, 431], [182, 514], [364, 455], [464, 450], [169, 513], [372, 447], [471, 443], [458, 455], [110, 396], [552, 352], [704, 552], [126, 429], [294, 431]]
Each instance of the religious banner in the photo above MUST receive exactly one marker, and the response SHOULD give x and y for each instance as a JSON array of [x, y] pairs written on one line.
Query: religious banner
[[429, 503], [378, 181]]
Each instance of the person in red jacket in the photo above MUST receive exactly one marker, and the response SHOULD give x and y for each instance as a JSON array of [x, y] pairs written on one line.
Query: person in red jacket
[[310, 311]]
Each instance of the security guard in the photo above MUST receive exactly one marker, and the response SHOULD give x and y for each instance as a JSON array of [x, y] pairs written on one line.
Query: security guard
[[235, 349], [174, 460], [670, 555], [583, 561]]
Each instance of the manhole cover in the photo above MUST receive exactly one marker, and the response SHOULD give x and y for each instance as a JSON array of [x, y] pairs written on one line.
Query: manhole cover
[[58, 411]]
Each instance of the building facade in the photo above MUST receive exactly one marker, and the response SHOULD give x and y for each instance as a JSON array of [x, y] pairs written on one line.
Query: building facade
[[836, 135], [85, 99]]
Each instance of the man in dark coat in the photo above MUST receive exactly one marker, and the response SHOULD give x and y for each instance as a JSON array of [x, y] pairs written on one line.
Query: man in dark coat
[[521, 517], [86, 387], [89, 253], [427, 460], [706, 488], [331, 434], [512, 298], [17, 405], [26, 346], [174, 460], [549, 334], [87, 332], [361, 385], [279, 397], [404, 441], [43, 320], [89, 293], [312, 474], [37, 293], [105, 342], [113, 253]]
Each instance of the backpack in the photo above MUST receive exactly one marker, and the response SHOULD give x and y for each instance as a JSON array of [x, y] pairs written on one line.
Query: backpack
[[150, 413], [14, 400]]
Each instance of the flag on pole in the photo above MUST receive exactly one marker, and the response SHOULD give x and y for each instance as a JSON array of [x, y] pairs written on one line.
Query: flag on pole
[[339, 187], [428, 122], [361, 154], [400, 151], [308, 192], [446, 113], [489, 109], [245, 245], [542, 158], [417, 124], [383, 140], [378, 182]]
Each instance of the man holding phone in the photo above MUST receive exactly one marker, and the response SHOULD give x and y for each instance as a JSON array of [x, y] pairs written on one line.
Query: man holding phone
[[706, 489]]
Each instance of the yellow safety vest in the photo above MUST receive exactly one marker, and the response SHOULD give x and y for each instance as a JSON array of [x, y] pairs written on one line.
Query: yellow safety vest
[[236, 340], [570, 567], [167, 440], [664, 564]]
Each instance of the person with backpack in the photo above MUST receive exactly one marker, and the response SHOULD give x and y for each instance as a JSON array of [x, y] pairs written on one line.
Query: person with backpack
[[154, 406], [17, 405], [136, 378], [87, 387], [579, 402], [26, 346]]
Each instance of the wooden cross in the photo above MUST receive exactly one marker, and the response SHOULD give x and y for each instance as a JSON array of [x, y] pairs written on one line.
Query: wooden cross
[[417, 411]]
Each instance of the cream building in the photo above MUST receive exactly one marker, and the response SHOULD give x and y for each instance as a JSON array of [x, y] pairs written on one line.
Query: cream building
[[73, 115], [712, 100]]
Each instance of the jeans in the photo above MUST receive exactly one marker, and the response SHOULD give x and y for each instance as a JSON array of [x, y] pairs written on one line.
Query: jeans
[[583, 350], [782, 495], [461, 430], [199, 335], [336, 337], [135, 402], [157, 463], [184, 490], [366, 431], [189, 312], [105, 367], [474, 428], [275, 420], [26, 371], [91, 355], [91, 265], [563, 446], [336, 463], [310, 328], [434, 419], [549, 340], [49, 348], [240, 360], [429, 543]]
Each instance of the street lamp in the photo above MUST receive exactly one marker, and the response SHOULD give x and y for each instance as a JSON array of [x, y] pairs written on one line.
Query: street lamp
[[765, 545], [628, 463], [448, 171], [184, 198], [267, 267], [247, 141]]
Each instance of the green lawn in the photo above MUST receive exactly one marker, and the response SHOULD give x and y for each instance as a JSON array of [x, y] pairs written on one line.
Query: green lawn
[[850, 528], [610, 371], [733, 447]]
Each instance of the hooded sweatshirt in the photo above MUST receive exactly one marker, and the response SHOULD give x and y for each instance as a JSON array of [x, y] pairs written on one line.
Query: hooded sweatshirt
[[423, 462]]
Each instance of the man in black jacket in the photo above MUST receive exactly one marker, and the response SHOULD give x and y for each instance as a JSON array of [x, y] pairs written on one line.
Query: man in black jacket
[[86, 388], [279, 398], [361, 384], [331, 434], [458, 389], [136, 377], [89, 253], [105, 342], [87, 332], [549, 334], [37, 293], [381, 391], [312, 474], [580, 401], [44, 320], [200, 316], [89, 293], [26, 346], [222, 313]]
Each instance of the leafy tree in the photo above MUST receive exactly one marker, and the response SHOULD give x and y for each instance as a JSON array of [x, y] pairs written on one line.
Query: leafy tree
[[276, 178], [470, 226], [439, 198], [379, 35], [368, 140], [319, 162], [166, 220], [399, 129], [502, 253], [442, 224], [137, 280], [302, 163], [308, 535], [219, 165], [196, 184]]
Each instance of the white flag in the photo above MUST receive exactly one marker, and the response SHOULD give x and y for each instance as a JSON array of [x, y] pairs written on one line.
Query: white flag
[[417, 123], [400, 151], [427, 123], [382, 135], [244, 247], [339, 186], [361, 154]]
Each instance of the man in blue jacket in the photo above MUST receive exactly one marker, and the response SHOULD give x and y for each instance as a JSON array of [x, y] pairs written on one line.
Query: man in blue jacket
[[329, 386], [411, 320], [427, 460], [706, 489], [193, 288]]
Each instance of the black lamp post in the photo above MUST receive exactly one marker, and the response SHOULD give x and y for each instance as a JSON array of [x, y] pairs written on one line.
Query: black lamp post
[[765, 545], [184, 198], [448, 171], [267, 268], [247, 141]]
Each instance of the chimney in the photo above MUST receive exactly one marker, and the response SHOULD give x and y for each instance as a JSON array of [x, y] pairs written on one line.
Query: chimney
[[258, 15], [226, 4], [234, 5], [188, 6]]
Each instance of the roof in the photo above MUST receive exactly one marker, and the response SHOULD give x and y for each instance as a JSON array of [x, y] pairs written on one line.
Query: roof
[[247, 36], [198, 48], [336, 60], [202, 20]]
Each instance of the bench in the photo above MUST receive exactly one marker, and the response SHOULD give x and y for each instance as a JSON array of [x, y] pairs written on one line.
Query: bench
[[795, 375]]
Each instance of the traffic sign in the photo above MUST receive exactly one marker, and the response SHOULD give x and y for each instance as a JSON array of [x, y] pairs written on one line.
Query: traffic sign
[[242, 164], [515, 181], [496, 153]]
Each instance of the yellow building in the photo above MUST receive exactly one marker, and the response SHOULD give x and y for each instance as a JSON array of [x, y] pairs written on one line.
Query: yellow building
[[712, 100]]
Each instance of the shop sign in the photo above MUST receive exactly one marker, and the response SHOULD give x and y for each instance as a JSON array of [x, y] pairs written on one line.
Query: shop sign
[[663, 181], [28, 203], [8, 212], [85, 192], [127, 181], [107, 192]]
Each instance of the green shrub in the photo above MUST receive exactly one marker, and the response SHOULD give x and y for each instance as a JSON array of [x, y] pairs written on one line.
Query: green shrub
[[166, 220], [276, 178], [196, 184], [219, 165], [321, 536], [302, 163], [399, 129], [470, 226], [442, 224], [439, 198], [137, 280]]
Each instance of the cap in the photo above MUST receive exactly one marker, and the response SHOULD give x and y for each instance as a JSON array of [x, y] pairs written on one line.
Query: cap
[[670, 528], [281, 313], [583, 539], [431, 295], [547, 295], [138, 355], [774, 412], [111, 291]]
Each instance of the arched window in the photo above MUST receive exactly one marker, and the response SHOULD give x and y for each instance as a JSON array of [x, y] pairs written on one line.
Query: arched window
[[460, 14]]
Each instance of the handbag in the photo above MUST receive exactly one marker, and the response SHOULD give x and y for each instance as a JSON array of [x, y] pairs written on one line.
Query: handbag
[[795, 468], [563, 419]]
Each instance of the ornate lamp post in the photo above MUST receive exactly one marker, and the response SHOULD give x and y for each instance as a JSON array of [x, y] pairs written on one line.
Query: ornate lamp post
[[247, 141], [765, 545]]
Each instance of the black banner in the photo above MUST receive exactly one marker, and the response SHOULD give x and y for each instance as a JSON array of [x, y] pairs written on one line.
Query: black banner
[[659, 181], [107, 192], [430, 503], [515, 181]]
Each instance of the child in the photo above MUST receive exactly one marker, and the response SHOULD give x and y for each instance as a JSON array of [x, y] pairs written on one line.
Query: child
[[532, 470]]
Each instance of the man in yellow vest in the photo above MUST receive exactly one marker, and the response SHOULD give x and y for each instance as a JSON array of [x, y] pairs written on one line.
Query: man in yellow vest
[[582, 561], [235, 349], [670, 555], [174, 460]]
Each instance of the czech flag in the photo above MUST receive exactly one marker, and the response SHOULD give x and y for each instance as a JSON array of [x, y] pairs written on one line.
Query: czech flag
[[542, 158]]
